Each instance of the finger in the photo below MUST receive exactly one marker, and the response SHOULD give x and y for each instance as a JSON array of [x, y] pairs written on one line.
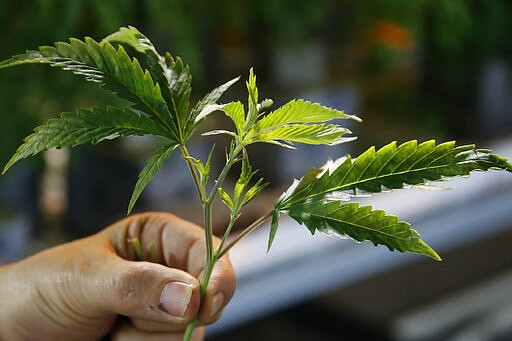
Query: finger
[[180, 244], [128, 332], [156, 327], [145, 290], [170, 237]]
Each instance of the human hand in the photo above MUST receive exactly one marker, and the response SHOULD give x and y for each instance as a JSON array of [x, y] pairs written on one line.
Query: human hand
[[77, 291]]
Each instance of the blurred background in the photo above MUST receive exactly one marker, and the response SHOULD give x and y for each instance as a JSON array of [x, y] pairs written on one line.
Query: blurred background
[[423, 69]]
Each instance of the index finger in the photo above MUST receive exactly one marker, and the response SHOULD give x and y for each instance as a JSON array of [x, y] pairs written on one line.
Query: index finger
[[179, 244]]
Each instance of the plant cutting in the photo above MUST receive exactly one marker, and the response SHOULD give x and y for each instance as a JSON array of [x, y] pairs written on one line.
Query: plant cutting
[[156, 89]]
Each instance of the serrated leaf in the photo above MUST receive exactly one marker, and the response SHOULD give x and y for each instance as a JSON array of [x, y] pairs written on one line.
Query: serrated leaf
[[244, 178], [360, 223], [299, 121], [151, 167], [252, 111], [180, 80], [393, 167], [317, 199], [328, 134], [203, 168], [211, 98], [172, 75], [150, 59], [85, 126], [205, 174], [251, 193], [111, 68], [235, 111], [226, 199], [300, 111]]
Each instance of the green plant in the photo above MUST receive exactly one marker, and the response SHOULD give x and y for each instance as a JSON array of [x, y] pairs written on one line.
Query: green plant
[[157, 91]]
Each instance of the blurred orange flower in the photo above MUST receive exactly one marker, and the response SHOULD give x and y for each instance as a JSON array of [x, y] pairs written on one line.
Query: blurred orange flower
[[392, 35]]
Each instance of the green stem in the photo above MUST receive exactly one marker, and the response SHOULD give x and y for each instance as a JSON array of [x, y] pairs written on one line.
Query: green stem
[[227, 232], [222, 176], [193, 172], [208, 231], [257, 223], [209, 202], [202, 289], [189, 330], [211, 258]]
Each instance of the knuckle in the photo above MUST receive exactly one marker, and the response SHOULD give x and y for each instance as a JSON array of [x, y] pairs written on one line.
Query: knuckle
[[128, 285]]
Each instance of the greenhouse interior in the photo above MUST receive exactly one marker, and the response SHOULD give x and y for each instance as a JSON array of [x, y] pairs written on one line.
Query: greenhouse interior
[[409, 70]]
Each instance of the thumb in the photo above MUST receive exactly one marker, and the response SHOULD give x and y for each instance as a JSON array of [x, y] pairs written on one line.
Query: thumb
[[147, 291]]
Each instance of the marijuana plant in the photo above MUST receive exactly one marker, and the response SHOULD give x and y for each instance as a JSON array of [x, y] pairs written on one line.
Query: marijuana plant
[[157, 91]]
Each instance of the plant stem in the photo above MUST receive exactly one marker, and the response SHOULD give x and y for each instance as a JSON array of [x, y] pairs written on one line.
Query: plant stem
[[258, 222], [209, 202], [197, 182], [211, 258], [208, 231], [226, 233], [202, 289], [222, 176]]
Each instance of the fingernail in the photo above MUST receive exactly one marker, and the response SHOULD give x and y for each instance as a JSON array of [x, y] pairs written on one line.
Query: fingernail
[[175, 298], [217, 304]]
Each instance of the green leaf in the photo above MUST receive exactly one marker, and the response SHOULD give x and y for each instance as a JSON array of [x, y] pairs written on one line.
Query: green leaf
[[244, 178], [204, 172], [360, 223], [393, 167], [298, 121], [253, 191], [203, 168], [273, 228], [180, 80], [235, 111], [131, 38], [151, 167], [252, 89], [113, 69], [299, 111], [317, 199], [218, 132], [174, 79], [328, 134], [226, 199], [85, 126], [197, 114], [242, 194]]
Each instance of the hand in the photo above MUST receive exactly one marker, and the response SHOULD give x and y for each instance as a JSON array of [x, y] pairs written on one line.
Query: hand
[[78, 290]]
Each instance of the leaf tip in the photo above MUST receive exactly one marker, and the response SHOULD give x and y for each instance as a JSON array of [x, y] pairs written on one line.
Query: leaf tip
[[424, 249], [273, 228], [10, 163], [132, 203]]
